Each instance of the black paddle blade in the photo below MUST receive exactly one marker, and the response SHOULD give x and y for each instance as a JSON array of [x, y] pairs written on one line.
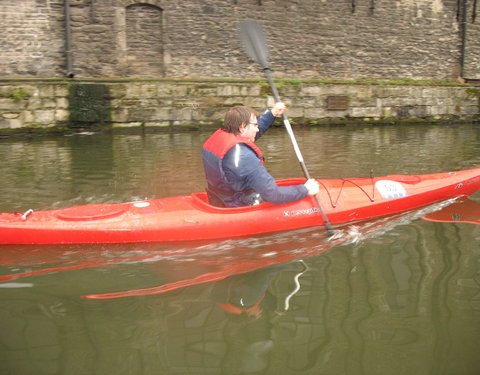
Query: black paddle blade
[[254, 42]]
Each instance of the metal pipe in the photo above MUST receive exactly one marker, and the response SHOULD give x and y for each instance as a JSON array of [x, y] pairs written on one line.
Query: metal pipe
[[93, 10], [464, 39], [68, 40]]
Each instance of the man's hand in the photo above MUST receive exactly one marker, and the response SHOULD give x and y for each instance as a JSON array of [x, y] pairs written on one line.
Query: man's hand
[[312, 186], [279, 109]]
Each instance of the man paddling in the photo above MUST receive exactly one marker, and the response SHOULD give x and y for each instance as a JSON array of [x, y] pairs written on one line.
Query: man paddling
[[234, 166]]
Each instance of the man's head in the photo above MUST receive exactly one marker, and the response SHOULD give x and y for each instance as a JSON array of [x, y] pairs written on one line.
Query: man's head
[[241, 120]]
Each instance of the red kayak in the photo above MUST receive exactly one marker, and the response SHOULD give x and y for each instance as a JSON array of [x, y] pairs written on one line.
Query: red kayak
[[191, 217]]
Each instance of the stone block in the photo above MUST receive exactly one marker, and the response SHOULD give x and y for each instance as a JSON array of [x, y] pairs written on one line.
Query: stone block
[[233, 100], [28, 117], [333, 90], [44, 116], [61, 91], [61, 102], [147, 90], [228, 90], [365, 101], [289, 90], [179, 90], [62, 115], [251, 90], [119, 114], [311, 91], [49, 103], [14, 123], [118, 91], [133, 91], [182, 114], [314, 113], [363, 92], [366, 112], [164, 90], [35, 103], [295, 112], [46, 91], [8, 104], [259, 103], [163, 113]]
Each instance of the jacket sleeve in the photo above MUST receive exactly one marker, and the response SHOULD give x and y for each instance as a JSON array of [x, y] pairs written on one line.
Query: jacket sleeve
[[264, 122], [246, 172]]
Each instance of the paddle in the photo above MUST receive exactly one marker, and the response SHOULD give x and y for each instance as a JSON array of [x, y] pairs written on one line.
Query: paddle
[[255, 44]]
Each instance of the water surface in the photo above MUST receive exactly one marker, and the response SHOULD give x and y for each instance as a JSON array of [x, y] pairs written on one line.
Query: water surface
[[394, 296]]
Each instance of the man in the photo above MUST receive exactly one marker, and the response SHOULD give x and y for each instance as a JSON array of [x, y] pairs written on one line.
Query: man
[[234, 164]]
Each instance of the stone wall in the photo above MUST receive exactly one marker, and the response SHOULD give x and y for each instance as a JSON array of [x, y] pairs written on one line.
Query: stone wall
[[32, 38], [341, 39], [194, 103]]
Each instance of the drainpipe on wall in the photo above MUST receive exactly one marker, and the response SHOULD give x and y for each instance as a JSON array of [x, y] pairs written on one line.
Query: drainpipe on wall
[[68, 40], [464, 39]]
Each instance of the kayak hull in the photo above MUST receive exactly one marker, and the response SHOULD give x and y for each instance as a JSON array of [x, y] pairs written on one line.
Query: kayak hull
[[191, 217]]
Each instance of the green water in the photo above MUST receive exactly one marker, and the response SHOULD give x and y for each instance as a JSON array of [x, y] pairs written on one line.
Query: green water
[[396, 296]]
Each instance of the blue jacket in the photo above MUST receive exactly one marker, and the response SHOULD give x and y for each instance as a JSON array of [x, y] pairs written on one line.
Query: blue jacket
[[235, 172]]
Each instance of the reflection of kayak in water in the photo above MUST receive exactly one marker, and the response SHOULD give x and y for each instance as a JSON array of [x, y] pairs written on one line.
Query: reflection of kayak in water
[[167, 267], [192, 218], [238, 257], [462, 211], [172, 267]]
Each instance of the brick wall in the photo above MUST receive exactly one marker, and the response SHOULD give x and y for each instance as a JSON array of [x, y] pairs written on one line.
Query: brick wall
[[32, 38], [347, 39]]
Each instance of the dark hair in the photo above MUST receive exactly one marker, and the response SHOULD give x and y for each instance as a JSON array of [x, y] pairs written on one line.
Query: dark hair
[[236, 116]]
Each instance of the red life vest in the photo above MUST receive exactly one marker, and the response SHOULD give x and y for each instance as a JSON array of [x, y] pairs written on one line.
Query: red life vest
[[214, 150], [222, 141]]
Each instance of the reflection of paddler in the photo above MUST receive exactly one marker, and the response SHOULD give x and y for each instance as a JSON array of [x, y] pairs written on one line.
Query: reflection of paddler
[[462, 211], [249, 301], [246, 293]]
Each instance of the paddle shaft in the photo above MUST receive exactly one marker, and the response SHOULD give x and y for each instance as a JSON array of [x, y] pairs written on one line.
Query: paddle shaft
[[268, 74]]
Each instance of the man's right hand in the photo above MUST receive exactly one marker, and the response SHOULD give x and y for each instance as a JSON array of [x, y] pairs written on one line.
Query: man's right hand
[[312, 186]]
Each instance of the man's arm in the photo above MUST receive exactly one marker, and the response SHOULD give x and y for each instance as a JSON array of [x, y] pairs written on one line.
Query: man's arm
[[248, 173]]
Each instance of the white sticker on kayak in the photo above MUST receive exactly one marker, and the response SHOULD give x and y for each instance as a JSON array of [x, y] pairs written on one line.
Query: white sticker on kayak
[[141, 204], [390, 189]]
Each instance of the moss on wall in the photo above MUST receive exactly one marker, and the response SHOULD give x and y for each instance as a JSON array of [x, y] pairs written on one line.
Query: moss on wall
[[89, 105]]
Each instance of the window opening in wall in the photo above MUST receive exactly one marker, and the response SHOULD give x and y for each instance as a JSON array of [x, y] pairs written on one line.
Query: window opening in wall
[[144, 29]]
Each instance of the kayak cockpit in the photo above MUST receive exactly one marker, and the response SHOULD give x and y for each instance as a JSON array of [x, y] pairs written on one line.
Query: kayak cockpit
[[200, 201]]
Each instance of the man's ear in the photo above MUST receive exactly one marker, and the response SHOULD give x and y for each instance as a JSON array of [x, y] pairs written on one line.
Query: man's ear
[[242, 129]]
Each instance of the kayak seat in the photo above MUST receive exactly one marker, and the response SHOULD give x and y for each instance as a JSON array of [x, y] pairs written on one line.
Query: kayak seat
[[200, 200]]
